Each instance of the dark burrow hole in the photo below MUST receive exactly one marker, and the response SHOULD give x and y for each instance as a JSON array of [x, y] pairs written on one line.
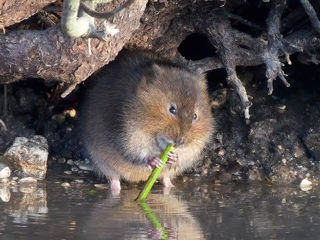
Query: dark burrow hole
[[216, 79], [196, 46]]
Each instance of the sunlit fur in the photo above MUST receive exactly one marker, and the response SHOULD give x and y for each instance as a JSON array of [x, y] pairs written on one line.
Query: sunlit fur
[[139, 101]]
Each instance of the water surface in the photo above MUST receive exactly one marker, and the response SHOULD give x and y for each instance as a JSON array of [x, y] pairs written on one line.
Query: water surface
[[192, 210]]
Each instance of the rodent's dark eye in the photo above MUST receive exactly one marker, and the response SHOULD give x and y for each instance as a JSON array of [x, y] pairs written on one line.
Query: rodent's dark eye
[[195, 116], [173, 110]]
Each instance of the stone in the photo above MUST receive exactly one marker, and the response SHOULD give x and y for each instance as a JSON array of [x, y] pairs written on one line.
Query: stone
[[84, 166], [29, 180], [305, 184], [70, 162], [4, 181], [61, 160], [79, 181], [29, 155], [68, 172], [101, 186], [65, 184], [5, 171]]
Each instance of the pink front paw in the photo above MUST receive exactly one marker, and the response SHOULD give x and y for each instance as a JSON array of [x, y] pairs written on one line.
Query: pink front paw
[[154, 162], [172, 157], [157, 162]]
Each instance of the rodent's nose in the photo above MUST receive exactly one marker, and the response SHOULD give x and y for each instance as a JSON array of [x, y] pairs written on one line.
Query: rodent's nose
[[163, 141], [180, 141]]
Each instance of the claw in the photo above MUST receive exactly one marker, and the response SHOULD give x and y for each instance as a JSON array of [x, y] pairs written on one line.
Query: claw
[[154, 162], [172, 157]]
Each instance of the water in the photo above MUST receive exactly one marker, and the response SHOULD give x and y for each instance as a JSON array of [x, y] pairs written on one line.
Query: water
[[193, 210]]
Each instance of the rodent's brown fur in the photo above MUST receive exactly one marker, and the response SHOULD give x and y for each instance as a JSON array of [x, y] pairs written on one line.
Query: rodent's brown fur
[[126, 112]]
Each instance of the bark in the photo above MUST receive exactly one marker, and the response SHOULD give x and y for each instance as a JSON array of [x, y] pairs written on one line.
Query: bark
[[275, 46], [14, 11], [50, 55]]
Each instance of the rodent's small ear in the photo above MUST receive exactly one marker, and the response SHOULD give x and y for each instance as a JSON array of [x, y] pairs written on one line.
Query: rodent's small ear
[[157, 69], [203, 81], [151, 73]]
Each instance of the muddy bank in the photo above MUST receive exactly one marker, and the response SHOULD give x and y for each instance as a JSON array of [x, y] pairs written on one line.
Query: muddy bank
[[280, 144]]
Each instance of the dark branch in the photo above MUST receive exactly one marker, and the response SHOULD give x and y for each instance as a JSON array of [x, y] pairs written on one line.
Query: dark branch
[[242, 20], [271, 54], [220, 36], [312, 14], [105, 15]]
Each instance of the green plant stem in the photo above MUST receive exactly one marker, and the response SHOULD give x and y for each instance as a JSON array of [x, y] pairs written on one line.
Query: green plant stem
[[155, 173]]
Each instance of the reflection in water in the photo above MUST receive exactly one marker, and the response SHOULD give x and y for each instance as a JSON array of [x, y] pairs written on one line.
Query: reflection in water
[[191, 211], [160, 217], [24, 202], [5, 194]]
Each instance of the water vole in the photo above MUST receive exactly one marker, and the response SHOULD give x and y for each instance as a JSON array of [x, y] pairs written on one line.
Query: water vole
[[137, 105]]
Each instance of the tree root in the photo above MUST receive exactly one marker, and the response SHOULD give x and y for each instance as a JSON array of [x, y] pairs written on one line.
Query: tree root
[[235, 48], [225, 43], [312, 14], [275, 45]]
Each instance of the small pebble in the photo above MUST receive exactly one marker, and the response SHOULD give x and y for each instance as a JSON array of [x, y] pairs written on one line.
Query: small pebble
[[28, 180], [284, 161], [85, 167], [74, 169], [101, 186], [13, 183], [5, 172], [4, 180], [282, 107], [15, 178], [68, 172], [79, 181], [70, 162], [221, 153], [65, 184], [61, 160], [305, 185], [72, 112]]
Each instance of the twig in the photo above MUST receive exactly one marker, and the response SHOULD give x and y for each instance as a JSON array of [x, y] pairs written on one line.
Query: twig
[[69, 89], [200, 66], [312, 14], [4, 126], [275, 45], [242, 20], [222, 38], [91, 12]]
